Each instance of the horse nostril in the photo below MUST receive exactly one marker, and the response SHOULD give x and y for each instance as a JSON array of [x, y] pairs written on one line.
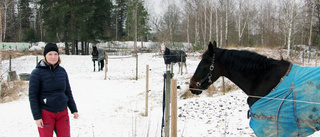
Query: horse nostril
[[191, 88], [194, 91]]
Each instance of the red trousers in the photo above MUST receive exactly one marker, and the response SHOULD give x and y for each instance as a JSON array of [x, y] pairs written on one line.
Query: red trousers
[[55, 121]]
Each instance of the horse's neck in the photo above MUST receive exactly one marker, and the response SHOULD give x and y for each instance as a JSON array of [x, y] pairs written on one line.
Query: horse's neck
[[258, 84]]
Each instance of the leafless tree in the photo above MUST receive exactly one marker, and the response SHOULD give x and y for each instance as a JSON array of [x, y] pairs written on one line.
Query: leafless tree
[[5, 5], [242, 13]]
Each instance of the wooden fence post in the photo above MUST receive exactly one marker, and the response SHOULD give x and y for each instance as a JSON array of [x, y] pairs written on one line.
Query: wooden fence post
[[167, 105], [9, 63], [173, 108], [147, 89], [181, 63], [106, 67], [137, 64], [0, 49], [316, 58], [223, 86]]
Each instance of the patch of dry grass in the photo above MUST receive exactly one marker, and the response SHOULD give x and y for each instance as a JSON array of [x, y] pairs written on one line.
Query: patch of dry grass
[[211, 91], [16, 54], [11, 91], [187, 94]]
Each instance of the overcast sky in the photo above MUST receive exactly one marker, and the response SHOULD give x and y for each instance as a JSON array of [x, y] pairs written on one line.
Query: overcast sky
[[154, 7]]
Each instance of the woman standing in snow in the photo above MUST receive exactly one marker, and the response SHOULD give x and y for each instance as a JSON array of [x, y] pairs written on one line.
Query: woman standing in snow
[[50, 95]]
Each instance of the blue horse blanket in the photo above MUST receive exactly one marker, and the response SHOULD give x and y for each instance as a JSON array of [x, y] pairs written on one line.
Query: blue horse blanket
[[292, 108]]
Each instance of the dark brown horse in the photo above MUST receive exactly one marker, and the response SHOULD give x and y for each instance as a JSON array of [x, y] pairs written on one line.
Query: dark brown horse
[[284, 98]]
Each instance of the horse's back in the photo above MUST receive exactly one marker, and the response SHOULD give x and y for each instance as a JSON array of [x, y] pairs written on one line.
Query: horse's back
[[174, 56], [292, 109], [180, 56], [100, 56]]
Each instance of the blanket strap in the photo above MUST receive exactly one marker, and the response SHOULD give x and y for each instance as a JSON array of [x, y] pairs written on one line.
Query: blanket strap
[[292, 87]]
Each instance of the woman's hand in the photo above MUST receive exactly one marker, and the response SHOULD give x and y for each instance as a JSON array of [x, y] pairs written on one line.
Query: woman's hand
[[75, 115], [39, 123]]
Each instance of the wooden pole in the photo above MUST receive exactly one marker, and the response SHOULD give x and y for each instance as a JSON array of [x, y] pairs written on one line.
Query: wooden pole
[[223, 86], [137, 66], [9, 63], [147, 89], [181, 63], [0, 50], [171, 67], [106, 67], [173, 108], [316, 58], [167, 104]]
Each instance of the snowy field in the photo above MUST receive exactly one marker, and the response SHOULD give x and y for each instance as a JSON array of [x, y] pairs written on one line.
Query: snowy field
[[115, 107]]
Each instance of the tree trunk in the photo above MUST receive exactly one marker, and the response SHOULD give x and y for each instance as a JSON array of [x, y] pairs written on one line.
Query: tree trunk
[[66, 43], [217, 25], [239, 23], [210, 28], [240, 31], [221, 38], [82, 47], [205, 26], [66, 48], [135, 28], [196, 29], [0, 50], [5, 22], [226, 33], [311, 20], [290, 28], [188, 33], [310, 33]]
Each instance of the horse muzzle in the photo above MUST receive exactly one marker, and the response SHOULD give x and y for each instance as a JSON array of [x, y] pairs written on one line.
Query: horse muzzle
[[194, 89]]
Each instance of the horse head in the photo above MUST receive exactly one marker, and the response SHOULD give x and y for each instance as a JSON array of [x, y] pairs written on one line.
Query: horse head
[[207, 71], [167, 56], [95, 51], [162, 48]]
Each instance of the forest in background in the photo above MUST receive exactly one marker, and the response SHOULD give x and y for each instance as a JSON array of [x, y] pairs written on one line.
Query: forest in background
[[269, 23]]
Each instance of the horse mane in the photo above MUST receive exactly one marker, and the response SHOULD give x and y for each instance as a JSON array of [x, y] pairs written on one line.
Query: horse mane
[[242, 60]]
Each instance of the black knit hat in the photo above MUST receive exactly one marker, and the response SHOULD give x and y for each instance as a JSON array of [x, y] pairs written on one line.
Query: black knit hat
[[50, 47]]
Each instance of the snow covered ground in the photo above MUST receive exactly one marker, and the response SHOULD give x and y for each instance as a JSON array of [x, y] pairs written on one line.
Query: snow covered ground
[[115, 107]]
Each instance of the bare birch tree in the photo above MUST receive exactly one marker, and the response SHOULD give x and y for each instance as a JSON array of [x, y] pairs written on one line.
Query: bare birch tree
[[240, 27], [5, 4], [211, 19], [217, 25], [227, 21], [291, 19], [311, 22]]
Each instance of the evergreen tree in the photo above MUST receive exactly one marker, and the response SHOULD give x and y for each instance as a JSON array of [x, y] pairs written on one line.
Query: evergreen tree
[[31, 36], [56, 14], [24, 13], [99, 24], [142, 19], [85, 20], [120, 15]]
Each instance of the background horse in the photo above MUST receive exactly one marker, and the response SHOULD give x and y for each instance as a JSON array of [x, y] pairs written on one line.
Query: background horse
[[175, 56], [283, 97], [98, 55]]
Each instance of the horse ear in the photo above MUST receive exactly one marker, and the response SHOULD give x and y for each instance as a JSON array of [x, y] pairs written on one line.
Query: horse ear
[[212, 46]]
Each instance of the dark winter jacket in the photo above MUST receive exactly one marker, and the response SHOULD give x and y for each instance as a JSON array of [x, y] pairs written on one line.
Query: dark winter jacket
[[49, 89]]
